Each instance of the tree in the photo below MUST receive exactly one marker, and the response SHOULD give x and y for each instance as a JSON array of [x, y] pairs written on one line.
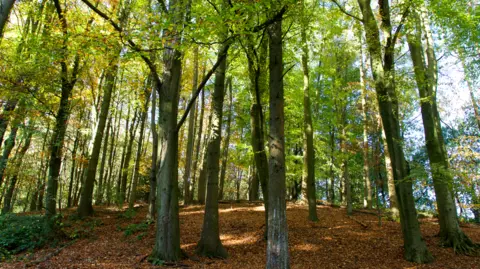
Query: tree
[[5, 9], [277, 239]]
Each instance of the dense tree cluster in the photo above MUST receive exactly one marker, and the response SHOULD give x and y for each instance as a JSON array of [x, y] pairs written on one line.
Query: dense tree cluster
[[181, 102]]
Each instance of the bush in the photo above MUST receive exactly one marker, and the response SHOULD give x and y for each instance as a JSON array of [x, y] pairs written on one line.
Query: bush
[[20, 233]]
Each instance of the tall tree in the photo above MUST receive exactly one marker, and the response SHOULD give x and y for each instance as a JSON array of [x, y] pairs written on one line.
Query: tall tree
[[426, 75], [68, 80], [5, 9], [277, 239], [383, 71], [308, 152]]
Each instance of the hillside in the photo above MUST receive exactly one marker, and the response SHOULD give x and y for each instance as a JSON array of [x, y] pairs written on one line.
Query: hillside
[[115, 239]]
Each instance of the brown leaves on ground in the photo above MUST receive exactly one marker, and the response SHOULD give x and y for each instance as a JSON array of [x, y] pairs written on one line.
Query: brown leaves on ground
[[336, 241]]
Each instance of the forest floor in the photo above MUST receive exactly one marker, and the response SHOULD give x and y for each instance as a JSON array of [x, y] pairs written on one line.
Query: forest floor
[[115, 239]]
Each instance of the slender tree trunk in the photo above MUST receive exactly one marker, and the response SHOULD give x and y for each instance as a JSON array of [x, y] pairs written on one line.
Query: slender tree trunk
[[8, 108], [7, 202], [202, 177], [426, 77], [187, 178], [153, 166], [383, 73], [226, 141], [133, 192], [5, 9], [308, 152], [277, 240], [210, 244], [73, 168], [102, 177], [7, 149], [367, 201], [128, 155], [85, 208], [198, 154], [118, 186], [331, 191]]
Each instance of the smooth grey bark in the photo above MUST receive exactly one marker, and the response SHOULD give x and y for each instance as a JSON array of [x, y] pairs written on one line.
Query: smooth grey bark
[[40, 177], [383, 70], [226, 140], [277, 239], [133, 192], [202, 177], [308, 151], [128, 155], [167, 238], [197, 145], [7, 202], [187, 178], [258, 82], [390, 178], [73, 168], [426, 78], [102, 176], [5, 9], [210, 244], [86, 200], [367, 201], [153, 165], [331, 187], [118, 185]]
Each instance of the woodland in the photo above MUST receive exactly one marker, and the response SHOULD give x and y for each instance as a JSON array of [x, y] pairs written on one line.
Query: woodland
[[239, 134]]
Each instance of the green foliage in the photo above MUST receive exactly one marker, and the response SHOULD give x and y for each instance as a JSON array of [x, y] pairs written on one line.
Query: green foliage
[[20, 233], [136, 227]]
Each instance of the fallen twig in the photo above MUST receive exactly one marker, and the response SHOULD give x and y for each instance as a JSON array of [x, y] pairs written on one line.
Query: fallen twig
[[49, 256], [365, 226]]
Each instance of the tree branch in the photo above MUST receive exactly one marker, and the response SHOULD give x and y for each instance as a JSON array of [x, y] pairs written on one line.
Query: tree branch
[[131, 43], [275, 18], [402, 22], [222, 55], [344, 11]]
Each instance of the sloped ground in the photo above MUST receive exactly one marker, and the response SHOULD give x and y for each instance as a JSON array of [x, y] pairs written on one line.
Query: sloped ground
[[336, 241]]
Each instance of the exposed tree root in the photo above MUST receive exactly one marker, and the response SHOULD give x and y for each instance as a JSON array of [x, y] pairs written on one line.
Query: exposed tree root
[[461, 244], [50, 255]]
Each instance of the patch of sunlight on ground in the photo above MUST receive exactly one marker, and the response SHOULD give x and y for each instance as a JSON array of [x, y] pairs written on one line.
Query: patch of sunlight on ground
[[306, 247]]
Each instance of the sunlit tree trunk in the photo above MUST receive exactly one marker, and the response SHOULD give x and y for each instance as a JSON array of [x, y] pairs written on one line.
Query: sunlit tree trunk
[[73, 168], [128, 155], [8, 108], [415, 249], [198, 143], [277, 239], [153, 165], [426, 77], [102, 176]]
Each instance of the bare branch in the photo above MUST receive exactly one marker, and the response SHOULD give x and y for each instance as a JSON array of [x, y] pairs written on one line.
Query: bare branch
[[344, 11]]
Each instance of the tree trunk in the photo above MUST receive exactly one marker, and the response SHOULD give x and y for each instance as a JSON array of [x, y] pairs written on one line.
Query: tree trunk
[[226, 143], [128, 155], [7, 202], [102, 177], [133, 192], [167, 239], [367, 201], [5, 117], [308, 152], [118, 186], [85, 208], [383, 74], [197, 145], [331, 191], [7, 149], [73, 168], [210, 244], [202, 177], [187, 178], [392, 193], [426, 78], [5, 9], [277, 240], [153, 166]]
